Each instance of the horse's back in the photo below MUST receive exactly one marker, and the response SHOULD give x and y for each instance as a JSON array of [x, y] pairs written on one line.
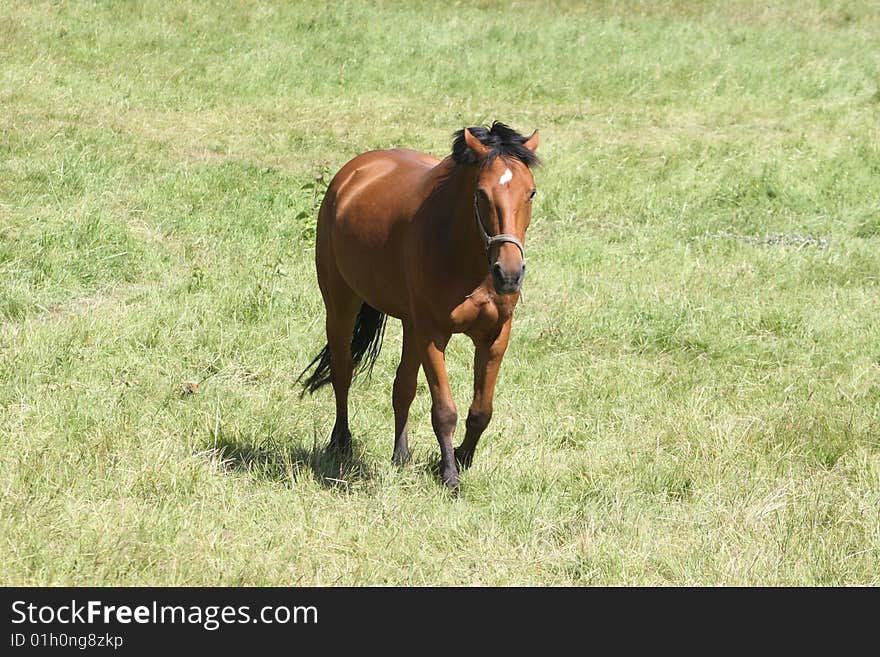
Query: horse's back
[[385, 177]]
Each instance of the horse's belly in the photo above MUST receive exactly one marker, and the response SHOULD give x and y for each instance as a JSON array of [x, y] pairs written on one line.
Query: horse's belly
[[373, 269]]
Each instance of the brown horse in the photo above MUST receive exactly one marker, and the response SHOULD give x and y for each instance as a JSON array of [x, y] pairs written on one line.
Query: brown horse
[[439, 245]]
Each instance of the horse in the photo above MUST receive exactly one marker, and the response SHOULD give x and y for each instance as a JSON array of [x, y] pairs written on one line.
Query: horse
[[439, 245]]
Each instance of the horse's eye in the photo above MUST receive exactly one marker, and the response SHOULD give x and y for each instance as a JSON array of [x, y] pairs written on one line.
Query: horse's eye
[[482, 193], [532, 194]]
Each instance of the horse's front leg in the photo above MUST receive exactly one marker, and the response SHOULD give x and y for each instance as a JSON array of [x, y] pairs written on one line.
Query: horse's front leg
[[444, 416], [487, 361], [403, 394]]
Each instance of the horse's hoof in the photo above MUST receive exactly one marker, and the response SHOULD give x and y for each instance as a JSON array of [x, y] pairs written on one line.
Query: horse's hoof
[[463, 457], [339, 449], [401, 458], [452, 481]]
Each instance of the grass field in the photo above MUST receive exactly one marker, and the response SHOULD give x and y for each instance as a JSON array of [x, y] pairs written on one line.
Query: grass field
[[692, 391]]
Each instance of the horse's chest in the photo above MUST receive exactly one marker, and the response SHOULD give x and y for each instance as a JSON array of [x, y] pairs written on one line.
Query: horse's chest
[[480, 312]]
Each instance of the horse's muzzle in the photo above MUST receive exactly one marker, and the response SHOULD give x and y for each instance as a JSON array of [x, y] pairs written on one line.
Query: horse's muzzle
[[507, 282]]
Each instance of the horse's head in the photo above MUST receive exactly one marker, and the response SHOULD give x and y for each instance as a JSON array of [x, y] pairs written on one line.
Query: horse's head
[[503, 198]]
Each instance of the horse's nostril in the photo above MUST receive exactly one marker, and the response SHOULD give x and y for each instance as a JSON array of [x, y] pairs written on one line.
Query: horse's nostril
[[496, 270]]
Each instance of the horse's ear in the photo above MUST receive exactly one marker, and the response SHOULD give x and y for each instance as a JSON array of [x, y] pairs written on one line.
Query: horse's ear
[[532, 142], [477, 147]]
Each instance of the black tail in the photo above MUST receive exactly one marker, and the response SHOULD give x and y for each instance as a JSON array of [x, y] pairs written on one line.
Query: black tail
[[366, 342]]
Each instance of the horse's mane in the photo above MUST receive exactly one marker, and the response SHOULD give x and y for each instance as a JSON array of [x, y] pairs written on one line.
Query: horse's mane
[[500, 138]]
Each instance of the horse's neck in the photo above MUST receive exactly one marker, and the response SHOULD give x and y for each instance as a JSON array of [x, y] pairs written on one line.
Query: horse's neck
[[456, 220]]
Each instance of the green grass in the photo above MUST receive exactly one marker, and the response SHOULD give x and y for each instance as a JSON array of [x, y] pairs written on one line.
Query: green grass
[[691, 394]]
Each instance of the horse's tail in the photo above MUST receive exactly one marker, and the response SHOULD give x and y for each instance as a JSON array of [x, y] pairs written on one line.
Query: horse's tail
[[366, 343]]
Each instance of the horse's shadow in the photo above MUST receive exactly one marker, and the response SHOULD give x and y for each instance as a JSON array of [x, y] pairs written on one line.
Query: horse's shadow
[[272, 462]]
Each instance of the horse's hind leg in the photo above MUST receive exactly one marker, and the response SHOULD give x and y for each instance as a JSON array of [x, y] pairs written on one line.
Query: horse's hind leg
[[403, 394], [342, 308]]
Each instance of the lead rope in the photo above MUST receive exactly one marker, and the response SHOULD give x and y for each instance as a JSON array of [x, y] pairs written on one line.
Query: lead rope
[[490, 240]]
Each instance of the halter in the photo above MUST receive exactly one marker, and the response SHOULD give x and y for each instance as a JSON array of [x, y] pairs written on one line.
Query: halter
[[490, 240]]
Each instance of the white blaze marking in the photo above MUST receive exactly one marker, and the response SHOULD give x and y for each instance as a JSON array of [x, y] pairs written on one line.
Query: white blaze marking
[[506, 177]]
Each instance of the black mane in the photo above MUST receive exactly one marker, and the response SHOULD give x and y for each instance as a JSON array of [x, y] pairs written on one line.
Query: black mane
[[500, 138]]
